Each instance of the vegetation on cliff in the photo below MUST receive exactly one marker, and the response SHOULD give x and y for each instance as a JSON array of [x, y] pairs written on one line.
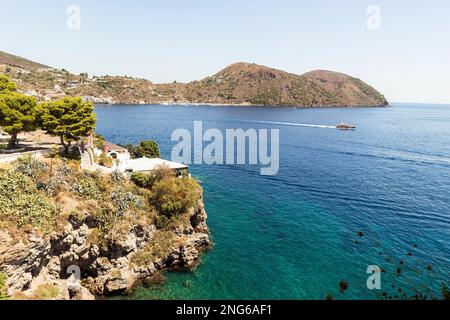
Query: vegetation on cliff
[[123, 221], [20, 202], [3, 289], [34, 196]]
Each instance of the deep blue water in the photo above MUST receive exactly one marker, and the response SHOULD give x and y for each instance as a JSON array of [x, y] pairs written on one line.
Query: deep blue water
[[294, 235]]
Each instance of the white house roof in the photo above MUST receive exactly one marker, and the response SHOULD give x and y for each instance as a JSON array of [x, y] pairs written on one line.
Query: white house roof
[[114, 147], [146, 164]]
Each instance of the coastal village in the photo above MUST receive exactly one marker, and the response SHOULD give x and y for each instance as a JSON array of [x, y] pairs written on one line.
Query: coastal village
[[40, 143]]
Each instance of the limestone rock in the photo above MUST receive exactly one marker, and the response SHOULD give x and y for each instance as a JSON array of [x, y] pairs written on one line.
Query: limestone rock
[[116, 285], [82, 294], [37, 261]]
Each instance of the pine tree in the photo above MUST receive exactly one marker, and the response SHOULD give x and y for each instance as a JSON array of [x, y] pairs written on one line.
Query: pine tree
[[17, 114], [147, 148], [69, 118], [6, 85]]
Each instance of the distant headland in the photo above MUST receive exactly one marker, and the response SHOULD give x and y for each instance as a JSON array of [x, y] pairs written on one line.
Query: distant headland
[[238, 84]]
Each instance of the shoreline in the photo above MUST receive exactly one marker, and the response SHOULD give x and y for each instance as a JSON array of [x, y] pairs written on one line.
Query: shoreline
[[196, 104]]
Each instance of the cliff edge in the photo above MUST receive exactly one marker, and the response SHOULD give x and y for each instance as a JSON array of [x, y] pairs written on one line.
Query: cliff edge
[[69, 234]]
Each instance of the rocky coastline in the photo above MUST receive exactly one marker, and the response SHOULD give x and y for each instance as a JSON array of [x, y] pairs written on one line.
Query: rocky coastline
[[67, 265]]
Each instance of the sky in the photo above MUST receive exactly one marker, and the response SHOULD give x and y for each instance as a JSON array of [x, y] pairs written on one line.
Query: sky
[[400, 47]]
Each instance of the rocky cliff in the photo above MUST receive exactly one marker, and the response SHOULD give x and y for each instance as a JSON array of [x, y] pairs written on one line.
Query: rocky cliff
[[36, 262], [78, 257]]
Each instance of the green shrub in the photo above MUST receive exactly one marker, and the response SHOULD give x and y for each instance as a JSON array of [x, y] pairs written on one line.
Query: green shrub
[[142, 258], [3, 289], [86, 187], [56, 181], [117, 177], [99, 142], [159, 247], [63, 171], [162, 222], [174, 196], [45, 292], [140, 179], [3, 146], [29, 166], [21, 202], [123, 200], [105, 160], [105, 217], [147, 180], [147, 148]]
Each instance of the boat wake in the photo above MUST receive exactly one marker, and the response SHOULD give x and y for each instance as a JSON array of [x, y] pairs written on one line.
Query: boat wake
[[293, 124]]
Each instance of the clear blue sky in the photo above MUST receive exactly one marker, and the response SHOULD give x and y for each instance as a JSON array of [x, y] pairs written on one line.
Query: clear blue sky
[[408, 59]]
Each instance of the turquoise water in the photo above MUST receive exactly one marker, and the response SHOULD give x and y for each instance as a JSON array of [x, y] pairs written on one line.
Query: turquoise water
[[294, 235]]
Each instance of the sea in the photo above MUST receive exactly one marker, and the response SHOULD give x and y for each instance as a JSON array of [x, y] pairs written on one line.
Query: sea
[[356, 214]]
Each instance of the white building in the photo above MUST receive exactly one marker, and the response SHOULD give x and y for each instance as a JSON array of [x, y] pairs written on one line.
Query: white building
[[148, 165], [125, 164]]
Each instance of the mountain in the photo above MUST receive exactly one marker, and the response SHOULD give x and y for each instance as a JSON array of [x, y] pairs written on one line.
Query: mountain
[[15, 61], [345, 89], [259, 85], [240, 83]]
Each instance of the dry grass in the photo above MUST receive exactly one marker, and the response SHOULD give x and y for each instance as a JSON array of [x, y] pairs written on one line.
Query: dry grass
[[94, 237], [158, 248], [45, 292], [5, 166]]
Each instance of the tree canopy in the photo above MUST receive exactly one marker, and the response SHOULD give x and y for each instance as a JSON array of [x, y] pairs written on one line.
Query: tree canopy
[[6, 85], [147, 148], [17, 114], [68, 118]]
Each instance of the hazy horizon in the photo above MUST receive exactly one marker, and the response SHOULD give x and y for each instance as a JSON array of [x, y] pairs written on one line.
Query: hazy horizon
[[395, 47]]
